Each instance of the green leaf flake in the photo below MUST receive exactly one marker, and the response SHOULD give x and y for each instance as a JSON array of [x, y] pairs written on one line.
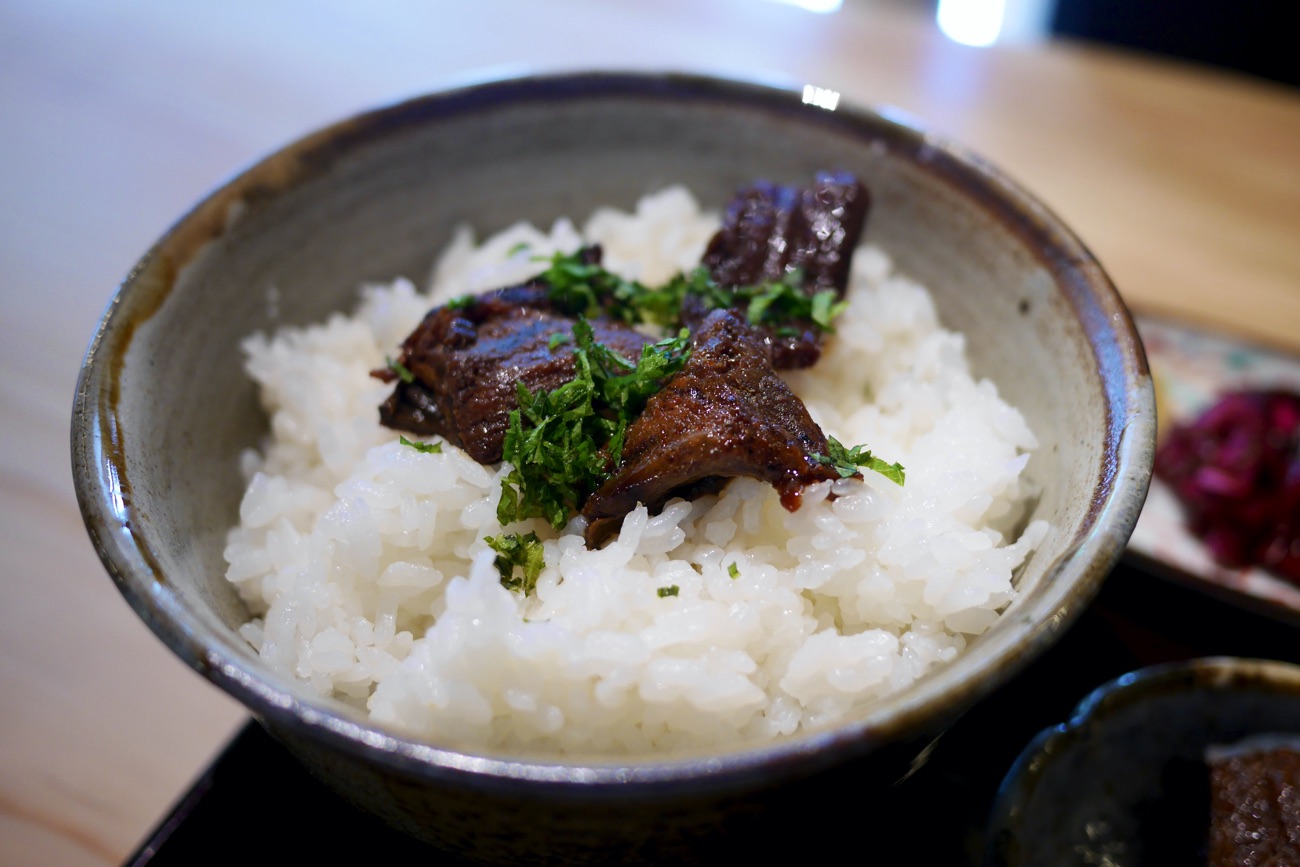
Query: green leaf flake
[[564, 443], [759, 305], [825, 308], [524, 553], [670, 590], [582, 289], [589, 290], [400, 369], [422, 448], [846, 461], [733, 570], [778, 304]]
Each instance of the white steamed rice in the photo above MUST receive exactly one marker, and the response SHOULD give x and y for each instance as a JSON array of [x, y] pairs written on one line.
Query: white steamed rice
[[364, 564]]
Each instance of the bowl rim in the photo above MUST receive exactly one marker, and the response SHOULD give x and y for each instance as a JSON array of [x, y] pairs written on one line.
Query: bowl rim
[[104, 498]]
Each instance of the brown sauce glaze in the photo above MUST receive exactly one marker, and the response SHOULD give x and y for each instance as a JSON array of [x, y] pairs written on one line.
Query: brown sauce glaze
[[770, 230], [466, 362], [726, 414]]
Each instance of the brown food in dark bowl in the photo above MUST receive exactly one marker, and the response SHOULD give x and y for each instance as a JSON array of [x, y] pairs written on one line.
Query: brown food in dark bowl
[[1138, 773]]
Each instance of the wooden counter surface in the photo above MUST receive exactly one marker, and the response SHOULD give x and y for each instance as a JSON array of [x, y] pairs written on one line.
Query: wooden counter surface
[[115, 118]]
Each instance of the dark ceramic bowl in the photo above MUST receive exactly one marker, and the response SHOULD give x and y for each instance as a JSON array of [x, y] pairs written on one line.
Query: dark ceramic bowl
[[371, 198], [1124, 780]]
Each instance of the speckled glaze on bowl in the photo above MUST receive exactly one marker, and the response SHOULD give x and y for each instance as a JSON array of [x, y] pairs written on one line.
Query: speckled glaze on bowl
[[163, 410], [1122, 781]]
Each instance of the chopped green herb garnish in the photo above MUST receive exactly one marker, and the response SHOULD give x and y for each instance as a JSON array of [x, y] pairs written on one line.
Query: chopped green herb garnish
[[460, 302], [517, 248], [423, 448], [400, 369], [846, 461], [625, 387], [774, 304], [778, 301], [553, 443], [733, 570], [584, 289], [563, 443], [670, 590], [518, 552], [825, 308]]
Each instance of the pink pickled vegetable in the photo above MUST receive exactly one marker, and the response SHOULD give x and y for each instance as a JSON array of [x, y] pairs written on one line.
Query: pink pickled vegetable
[[1236, 471]]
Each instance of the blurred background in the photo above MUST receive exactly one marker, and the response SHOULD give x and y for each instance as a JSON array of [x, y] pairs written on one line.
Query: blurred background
[[1250, 36]]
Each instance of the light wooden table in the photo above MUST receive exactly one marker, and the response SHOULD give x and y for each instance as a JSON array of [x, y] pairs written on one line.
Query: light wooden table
[[114, 118]]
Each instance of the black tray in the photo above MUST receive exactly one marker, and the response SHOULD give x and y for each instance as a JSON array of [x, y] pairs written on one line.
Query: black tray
[[256, 805]]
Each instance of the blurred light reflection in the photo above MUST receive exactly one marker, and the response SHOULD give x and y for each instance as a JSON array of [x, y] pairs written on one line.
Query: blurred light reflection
[[821, 7], [984, 22], [821, 97], [971, 22]]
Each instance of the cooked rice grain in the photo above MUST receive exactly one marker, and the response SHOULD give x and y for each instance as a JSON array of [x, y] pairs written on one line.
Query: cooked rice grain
[[364, 566]]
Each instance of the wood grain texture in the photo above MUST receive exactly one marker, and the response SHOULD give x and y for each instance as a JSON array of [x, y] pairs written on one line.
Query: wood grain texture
[[115, 118]]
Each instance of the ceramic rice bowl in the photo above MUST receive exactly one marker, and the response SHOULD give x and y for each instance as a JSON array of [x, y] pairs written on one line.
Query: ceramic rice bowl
[[163, 411]]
